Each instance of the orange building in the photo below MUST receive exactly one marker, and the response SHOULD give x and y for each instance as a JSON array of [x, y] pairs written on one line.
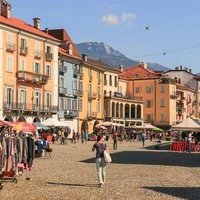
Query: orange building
[[156, 91], [28, 69]]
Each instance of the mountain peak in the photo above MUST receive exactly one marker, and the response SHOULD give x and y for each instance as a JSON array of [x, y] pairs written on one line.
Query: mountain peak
[[108, 55]]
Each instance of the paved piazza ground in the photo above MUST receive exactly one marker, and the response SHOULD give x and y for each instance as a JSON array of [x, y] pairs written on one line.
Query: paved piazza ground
[[135, 173]]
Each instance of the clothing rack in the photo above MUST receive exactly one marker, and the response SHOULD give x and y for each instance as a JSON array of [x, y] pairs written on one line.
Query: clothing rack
[[16, 155]]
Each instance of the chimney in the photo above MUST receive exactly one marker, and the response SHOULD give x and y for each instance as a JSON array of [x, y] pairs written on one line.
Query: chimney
[[36, 22], [46, 30], [144, 65], [84, 57], [121, 68], [5, 9]]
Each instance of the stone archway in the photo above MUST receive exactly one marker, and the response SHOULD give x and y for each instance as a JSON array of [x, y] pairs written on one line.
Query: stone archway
[[36, 119], [21, 119], [9, 119]]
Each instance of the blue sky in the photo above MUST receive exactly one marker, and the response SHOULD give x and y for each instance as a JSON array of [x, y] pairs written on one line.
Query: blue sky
[[161, 31]]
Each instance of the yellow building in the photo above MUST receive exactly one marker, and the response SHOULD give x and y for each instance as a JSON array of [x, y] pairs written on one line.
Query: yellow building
[[28, 70], [119, 106], [91, 98]]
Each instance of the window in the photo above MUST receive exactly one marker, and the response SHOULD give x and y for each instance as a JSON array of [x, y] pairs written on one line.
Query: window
[[69, 104], [48, 100], [48, 71], [98, 91], [110, 80], [137, 89], [48, 49], [22, 99], [80, 104], [116, 81], [162, 103], [149, 117], [105, 79], [37, 68], [22, 65], [61, 103], [90, 90], [9, 97], [162, 89], [162, 117], [74, 85], [37, 100], [74, 104], [9, 63], [61, 82], [81, 86], [98, 106], [149, 89], [90, 72], [149, 103], [23, 44]]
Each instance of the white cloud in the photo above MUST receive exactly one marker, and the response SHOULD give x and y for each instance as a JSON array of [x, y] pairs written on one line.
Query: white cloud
[[127, 17], [111, 19], [124, 18]]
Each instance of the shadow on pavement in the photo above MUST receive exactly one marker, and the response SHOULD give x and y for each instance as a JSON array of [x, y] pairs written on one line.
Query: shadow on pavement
[[189, 193], [72, 184], [154, 158]]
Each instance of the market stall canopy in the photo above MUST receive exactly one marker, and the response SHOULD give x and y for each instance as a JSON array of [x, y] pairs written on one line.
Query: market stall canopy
[[189, 124], [145, 126], [52, 122], [41, 126], [110, 124]]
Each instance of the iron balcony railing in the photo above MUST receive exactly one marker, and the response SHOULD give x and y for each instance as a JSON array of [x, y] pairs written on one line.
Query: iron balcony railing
[[13, 106], [31, 77]]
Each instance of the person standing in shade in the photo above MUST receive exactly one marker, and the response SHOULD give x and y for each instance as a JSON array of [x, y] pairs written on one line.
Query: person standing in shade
[[100, 146]]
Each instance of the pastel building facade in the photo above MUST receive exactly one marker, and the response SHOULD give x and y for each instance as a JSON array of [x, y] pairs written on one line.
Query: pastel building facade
[[91, 100], [156, 93], [119, 106], [28, 70], [70, 74]]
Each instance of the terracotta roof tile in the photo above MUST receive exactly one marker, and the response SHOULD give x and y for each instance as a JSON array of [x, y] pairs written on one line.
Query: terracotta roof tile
[[21, 25], [138, 71]]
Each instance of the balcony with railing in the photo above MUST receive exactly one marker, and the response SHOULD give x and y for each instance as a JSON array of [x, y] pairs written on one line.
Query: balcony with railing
[[37, 54], [99, 79], [77, 72], [31, 77], [10, 47], [92, 115], [23, 51], [78, 92], [62, 68], [180, 110], [90, 78], [62, 90], [48, 56], [70, 113], [29, 107], [92, 95]]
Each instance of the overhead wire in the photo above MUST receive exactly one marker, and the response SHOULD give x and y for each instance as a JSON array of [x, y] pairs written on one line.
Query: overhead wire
[[147, 28]]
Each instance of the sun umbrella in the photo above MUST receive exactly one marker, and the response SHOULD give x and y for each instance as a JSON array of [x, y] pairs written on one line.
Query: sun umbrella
[[157, 129], [6, 123], [24, 127]]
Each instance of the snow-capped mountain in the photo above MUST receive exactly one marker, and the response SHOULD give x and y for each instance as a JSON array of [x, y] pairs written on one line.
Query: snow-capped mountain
[[110, 56]]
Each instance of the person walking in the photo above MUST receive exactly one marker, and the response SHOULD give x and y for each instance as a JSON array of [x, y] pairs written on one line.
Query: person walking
[[100, 146], [115, 140]]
